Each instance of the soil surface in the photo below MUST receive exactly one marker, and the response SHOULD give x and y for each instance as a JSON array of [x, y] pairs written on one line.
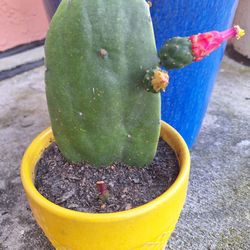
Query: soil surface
[[74, 186]]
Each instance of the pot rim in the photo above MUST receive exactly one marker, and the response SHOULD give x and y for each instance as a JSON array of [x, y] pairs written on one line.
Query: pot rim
[[39, 143]]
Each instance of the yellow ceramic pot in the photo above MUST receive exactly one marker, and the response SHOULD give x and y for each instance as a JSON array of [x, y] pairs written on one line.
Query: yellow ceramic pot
[[146, 227]]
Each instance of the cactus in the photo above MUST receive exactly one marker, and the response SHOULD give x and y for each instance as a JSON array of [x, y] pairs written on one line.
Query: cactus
[[155, 80], [181, 51], [103, 80], [97, 53]]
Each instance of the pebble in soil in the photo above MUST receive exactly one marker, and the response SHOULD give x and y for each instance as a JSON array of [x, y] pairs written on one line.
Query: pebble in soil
[[73, 186]]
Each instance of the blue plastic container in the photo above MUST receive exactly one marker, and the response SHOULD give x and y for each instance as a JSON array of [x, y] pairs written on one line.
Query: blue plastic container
[[185, 101]]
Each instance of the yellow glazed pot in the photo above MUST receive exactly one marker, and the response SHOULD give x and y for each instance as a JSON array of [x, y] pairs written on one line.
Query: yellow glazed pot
[[146, 227]]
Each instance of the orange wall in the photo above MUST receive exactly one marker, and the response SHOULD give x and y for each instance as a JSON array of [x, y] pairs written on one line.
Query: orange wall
[[21, 22]]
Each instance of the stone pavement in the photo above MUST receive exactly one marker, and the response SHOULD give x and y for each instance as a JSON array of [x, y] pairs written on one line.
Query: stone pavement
[[216, 215]]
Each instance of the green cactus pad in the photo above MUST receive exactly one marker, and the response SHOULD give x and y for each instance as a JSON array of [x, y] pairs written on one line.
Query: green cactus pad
[[176, 53], [97, 53]]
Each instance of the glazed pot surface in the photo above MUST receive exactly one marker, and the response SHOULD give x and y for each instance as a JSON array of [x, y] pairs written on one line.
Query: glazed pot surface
[[145, 227]]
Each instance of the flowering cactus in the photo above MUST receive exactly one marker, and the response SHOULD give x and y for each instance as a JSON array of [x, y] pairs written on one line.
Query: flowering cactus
[[103, 79], [181, 51], [156, 80]]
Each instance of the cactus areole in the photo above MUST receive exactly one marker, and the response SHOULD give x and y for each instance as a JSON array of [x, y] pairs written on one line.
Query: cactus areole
[[103, 78], [97, 53]]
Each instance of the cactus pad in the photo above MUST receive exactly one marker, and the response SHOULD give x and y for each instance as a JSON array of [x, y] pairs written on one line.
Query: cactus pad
[[97, 53], [176, 53], [155, 80]]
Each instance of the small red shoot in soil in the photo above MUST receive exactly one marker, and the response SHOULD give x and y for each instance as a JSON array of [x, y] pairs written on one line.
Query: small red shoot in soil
[[103, 191]]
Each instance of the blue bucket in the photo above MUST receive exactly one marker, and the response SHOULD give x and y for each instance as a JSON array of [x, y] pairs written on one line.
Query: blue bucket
[[185, 101]]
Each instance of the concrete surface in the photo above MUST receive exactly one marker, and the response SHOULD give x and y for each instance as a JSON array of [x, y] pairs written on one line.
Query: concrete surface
[[216, 215], [16, 60]]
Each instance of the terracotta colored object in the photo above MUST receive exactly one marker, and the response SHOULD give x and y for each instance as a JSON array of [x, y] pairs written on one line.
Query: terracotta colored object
[[21, 22]]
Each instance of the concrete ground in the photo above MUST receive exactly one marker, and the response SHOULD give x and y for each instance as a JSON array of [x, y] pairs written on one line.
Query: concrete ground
[[216, 215]]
